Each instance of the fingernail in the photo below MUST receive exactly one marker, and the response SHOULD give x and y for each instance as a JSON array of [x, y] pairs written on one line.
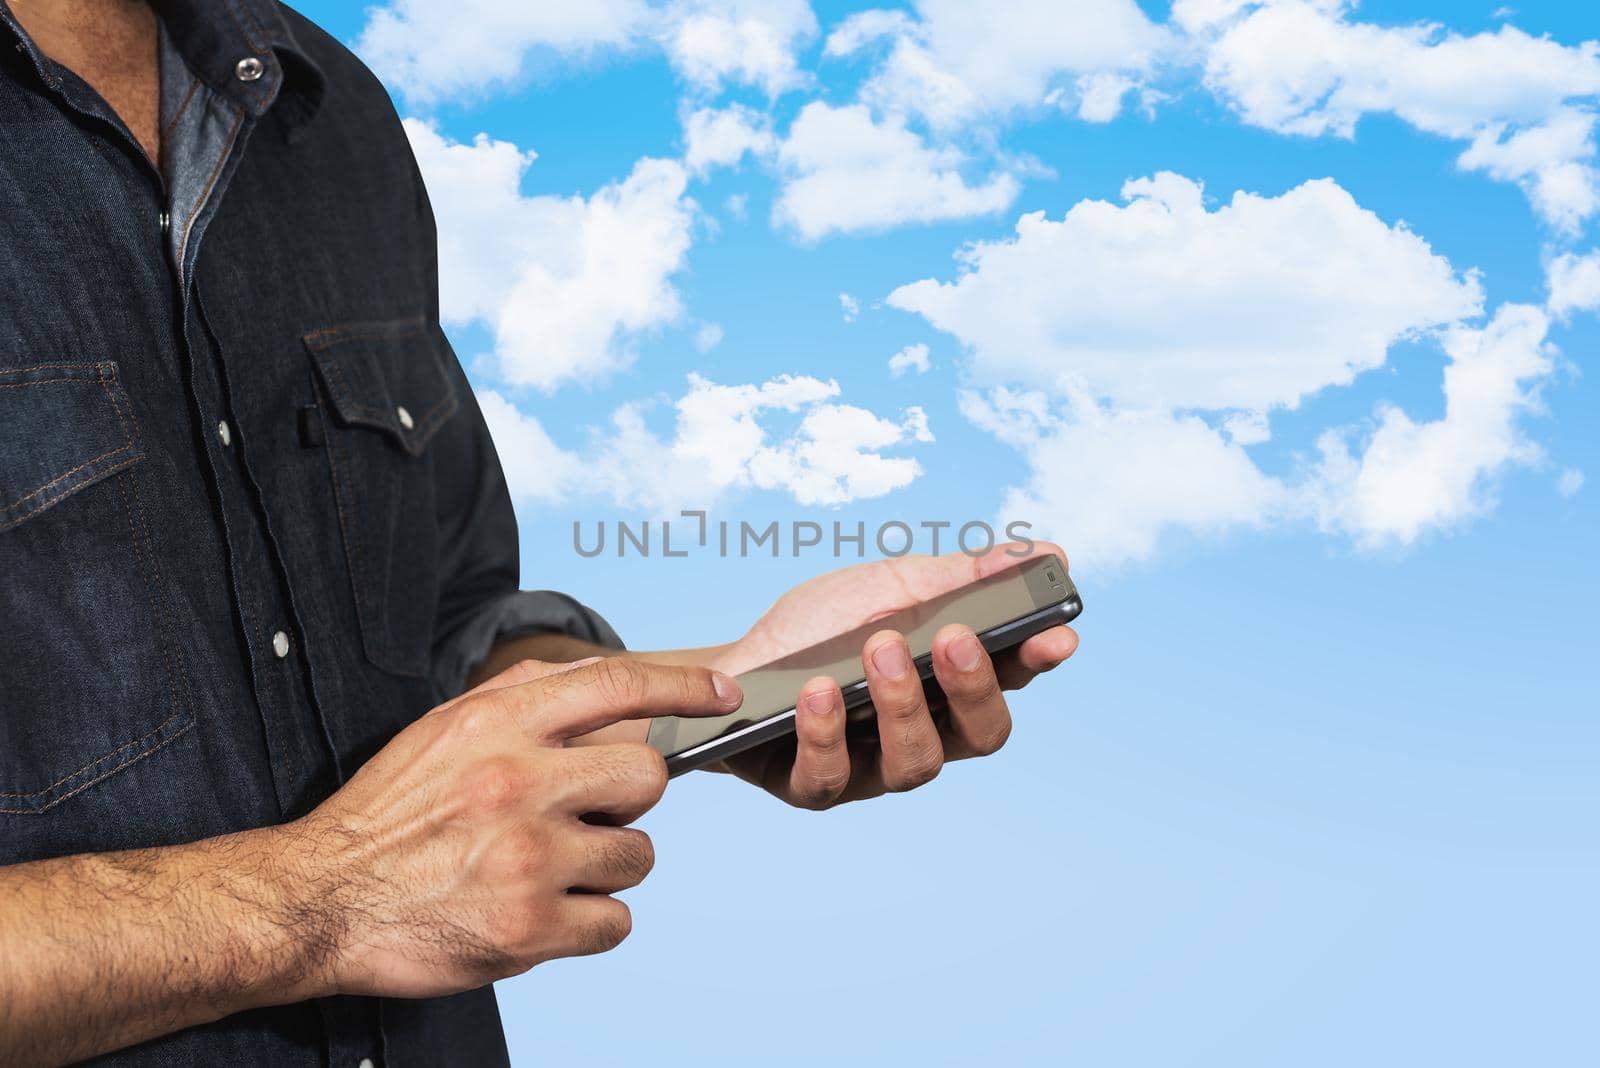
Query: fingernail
[[965, 653], [891, 660], [727, 689], [819, 703]]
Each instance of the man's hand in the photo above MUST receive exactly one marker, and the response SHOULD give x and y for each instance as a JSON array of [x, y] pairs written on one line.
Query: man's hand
[[475, 845], [821, 765]]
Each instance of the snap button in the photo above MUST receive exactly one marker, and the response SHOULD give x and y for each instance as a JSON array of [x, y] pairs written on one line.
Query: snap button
[[249, 69], [404, 416], [366, 1062], [224, 433], [280, 644], [166, 221]]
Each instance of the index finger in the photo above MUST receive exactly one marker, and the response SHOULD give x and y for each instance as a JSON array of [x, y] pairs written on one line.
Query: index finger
[[608, 691]]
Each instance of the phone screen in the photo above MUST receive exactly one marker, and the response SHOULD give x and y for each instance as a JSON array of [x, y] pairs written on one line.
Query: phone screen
[[770, 690]]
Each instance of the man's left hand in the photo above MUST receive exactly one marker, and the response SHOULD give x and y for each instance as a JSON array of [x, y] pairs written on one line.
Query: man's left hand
[[821, 765]]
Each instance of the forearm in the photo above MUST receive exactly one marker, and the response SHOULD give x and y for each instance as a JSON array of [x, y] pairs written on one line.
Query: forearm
[[102, 951]]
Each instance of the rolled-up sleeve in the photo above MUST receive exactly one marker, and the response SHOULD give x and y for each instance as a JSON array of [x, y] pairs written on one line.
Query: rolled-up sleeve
[[513, 615], [480, 599]]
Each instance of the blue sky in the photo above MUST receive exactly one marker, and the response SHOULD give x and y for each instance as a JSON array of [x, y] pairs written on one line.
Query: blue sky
[[1321, 786]]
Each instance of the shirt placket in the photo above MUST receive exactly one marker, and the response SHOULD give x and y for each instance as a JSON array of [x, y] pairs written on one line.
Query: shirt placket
[[206, 135]]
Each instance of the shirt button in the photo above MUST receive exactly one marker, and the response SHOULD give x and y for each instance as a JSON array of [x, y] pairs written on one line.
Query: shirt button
[[404, 416], [224, 433], [280, 644], [249, 69]]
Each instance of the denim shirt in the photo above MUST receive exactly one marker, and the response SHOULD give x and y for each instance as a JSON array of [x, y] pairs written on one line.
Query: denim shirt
[[251, 520]]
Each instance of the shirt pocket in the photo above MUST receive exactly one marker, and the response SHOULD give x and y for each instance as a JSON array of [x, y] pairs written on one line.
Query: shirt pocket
[[389, 394], [91, 678]]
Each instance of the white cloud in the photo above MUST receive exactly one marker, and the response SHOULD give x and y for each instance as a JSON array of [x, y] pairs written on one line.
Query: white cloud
[[1100, 95], [845, 172], [956, 61], [564, 284], [721, 137], [1574, 283], [1524, 103], [849, 306], [1112, 482], [737, 204], [1569, 482], [747, 42], [724, 438], [536, 468], [1160, 336], [910, 358], [1162, 304], [1551, 162], [707, 337], [1247, 428], [434, 52], [1413, 477], [1109, 484]]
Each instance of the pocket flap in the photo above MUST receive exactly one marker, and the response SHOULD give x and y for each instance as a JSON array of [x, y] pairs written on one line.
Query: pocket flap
[[387, 376], [63, 426]]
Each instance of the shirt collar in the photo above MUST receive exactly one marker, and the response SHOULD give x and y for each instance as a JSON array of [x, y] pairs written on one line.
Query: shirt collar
[[223, 41]]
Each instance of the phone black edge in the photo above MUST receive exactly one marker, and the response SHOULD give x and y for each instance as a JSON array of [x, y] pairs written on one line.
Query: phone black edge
[[995, 640]]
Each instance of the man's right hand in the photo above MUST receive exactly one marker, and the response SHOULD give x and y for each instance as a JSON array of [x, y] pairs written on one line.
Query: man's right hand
[[477, 843]]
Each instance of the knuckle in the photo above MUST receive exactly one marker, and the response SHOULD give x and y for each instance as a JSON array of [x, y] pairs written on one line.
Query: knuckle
[[828, 745], [528, 931], [992, 739], [648, 769], [620, 682], [608, 932], [900, 701], [978, 687], [524, 853], [498, 782], [526, 670], [698, 687], [821, 789], [918, 768], [471, 719], [633, 856]]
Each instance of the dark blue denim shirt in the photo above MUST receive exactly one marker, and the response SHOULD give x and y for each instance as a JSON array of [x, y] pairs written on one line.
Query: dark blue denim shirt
[[251, 521]]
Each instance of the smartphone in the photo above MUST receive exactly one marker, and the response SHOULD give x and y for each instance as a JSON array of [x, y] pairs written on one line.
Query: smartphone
[[1003, 609]]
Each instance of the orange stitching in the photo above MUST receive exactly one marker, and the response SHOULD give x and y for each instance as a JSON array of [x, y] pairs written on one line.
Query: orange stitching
[[205, 194], [97, 760], [20, 500], [172, 123], [431, 418], [107, 373], [102, 778], [47, 382], [388, 328]]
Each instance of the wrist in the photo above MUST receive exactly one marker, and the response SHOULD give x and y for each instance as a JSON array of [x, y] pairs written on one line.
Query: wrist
[[294, 927]]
